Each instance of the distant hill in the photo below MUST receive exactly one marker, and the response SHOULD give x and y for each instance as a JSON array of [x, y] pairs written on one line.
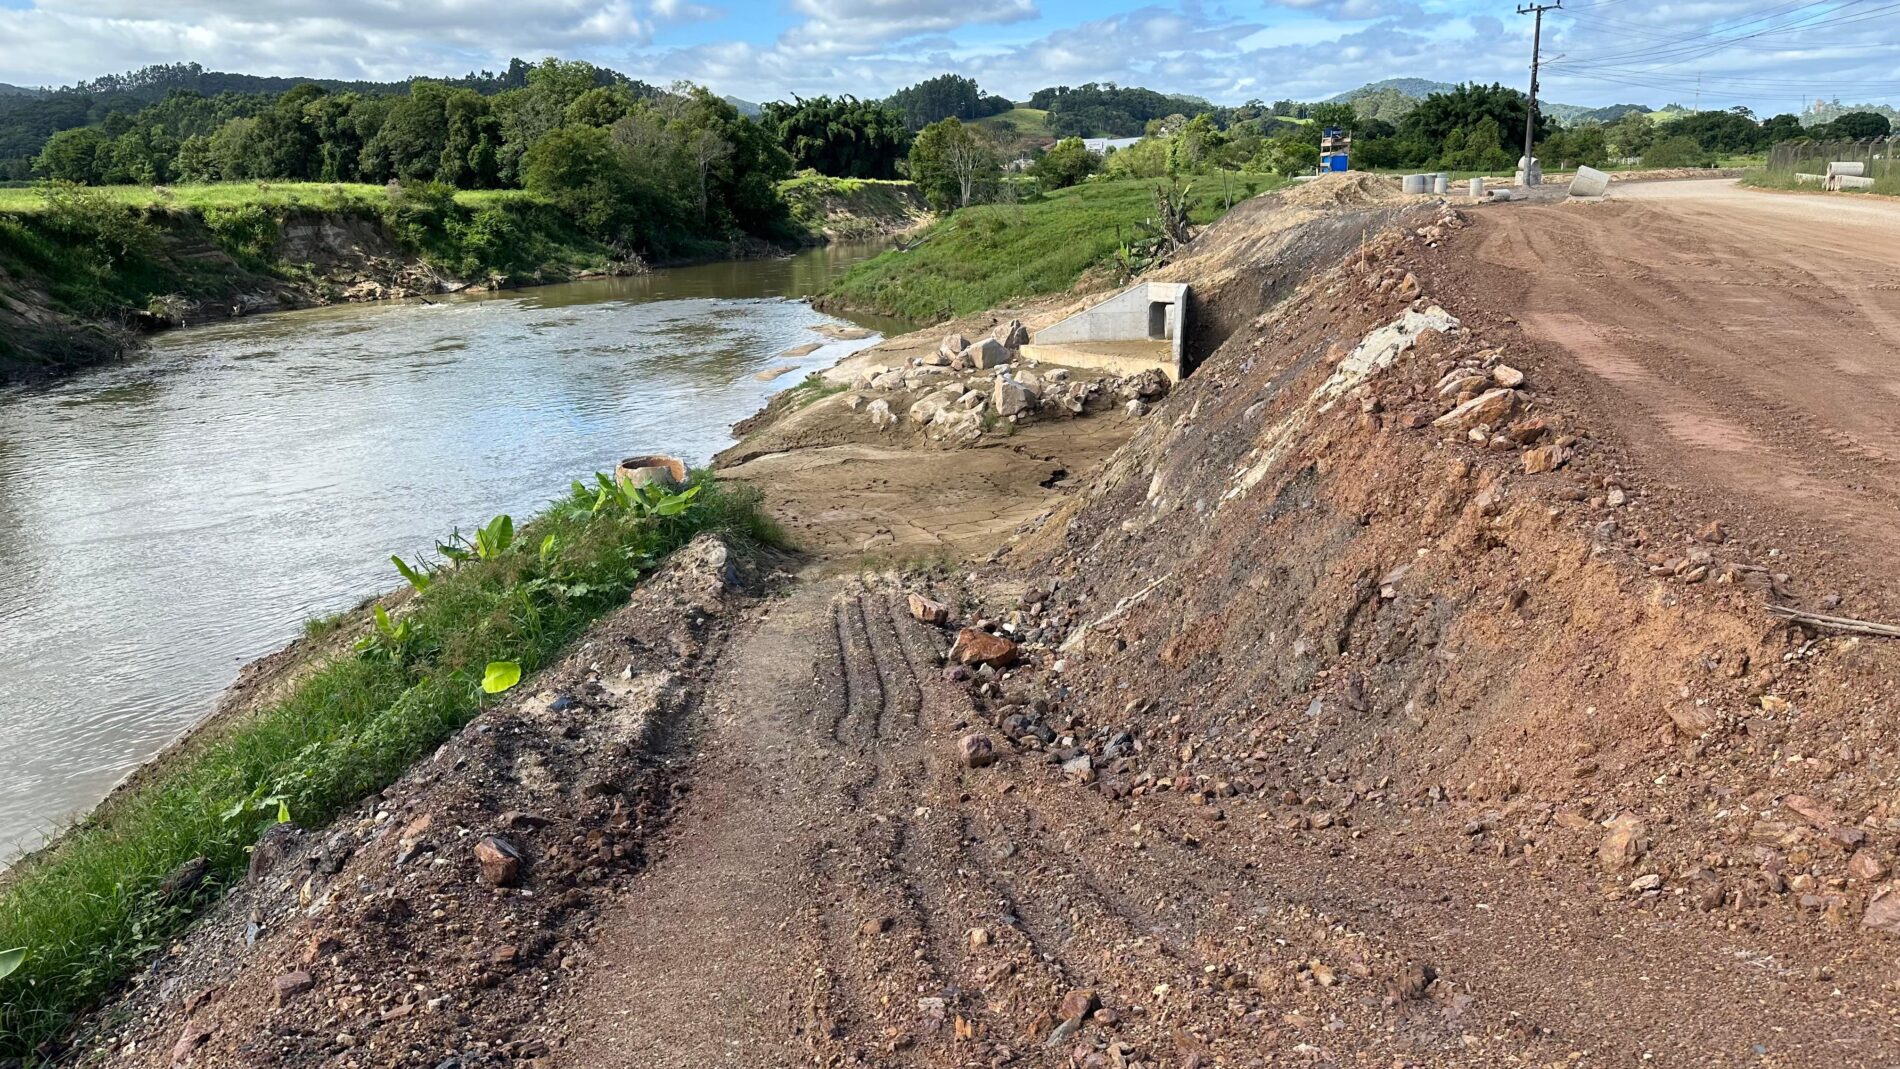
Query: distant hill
[[746, 107], [19, 91], [1416, 88], [1393, 98]]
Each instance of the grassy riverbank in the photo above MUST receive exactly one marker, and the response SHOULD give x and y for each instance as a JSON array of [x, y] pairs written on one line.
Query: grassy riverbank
[[997, 254], [95, 906]]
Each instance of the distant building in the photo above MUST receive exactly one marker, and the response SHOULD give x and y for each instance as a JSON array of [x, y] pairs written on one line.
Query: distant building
[[1335, 149], [1101, 145]]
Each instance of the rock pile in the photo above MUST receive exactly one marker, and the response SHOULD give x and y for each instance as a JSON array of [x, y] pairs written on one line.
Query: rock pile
[[963, 389]]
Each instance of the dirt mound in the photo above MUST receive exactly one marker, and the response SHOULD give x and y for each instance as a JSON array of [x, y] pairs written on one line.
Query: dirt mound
[[1378, 582], [1345, 189]]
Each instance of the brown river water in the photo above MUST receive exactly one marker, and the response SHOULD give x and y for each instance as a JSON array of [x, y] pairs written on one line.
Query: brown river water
[[165, 520]]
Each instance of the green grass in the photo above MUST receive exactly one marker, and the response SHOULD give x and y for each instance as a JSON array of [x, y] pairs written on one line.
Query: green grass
[[992, 255], [90, 909], [813, 388], [1887, 184], [275, 195], [1020, 122]]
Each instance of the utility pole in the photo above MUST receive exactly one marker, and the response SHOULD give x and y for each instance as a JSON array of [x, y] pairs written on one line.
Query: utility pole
[[1537, 42]]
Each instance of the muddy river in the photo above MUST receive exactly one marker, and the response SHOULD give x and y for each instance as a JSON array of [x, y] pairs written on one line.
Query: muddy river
[[165, 520]]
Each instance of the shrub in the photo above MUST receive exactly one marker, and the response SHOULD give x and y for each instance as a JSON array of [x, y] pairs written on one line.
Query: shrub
[[1678, 152], [243, 229]]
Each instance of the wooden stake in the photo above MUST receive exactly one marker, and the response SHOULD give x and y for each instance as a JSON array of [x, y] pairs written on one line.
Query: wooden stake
[[1834, 623]]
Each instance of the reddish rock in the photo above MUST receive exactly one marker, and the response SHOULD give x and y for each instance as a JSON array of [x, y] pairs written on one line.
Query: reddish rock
[[320, 947], [1624, 845], [1078, 1004], [500, 861], [975, 647], [976, 751], [1865, 867], [928, 611], [290, 985], [189, 1040], [1817, 813], [1546, 458]]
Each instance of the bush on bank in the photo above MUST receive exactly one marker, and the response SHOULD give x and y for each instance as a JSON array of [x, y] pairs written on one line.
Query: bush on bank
[[92, 908]]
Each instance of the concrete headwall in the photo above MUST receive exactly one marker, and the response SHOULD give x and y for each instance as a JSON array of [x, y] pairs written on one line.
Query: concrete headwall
[[1150, 315]]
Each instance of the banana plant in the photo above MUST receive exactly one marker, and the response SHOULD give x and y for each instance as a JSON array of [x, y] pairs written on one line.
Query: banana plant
[[11, 960], [418, 577], [390, 639], [494, 539], [491, 541]]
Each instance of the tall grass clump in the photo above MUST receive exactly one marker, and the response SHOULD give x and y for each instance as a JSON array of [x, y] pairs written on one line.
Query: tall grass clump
[[994, 254], [94, 907]]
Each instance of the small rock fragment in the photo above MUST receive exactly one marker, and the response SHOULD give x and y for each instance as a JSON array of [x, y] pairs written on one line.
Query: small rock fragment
[[500, 861], [976, 751], [928, 611], [290, 985]]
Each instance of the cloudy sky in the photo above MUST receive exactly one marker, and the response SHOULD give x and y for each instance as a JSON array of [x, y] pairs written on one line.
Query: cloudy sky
[[1768, 55]]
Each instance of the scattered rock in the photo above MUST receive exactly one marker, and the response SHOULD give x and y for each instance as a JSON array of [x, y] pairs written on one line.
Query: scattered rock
[[1546, 458], [987, 353], [1013, 335], [1011, 397], [803, 350], [500, 861], [1490, 408], [953, 346], [1078, 1004], [1819, 814], [1883, 909], [771, 373], [1624, 845], [974, 647], [1136, 408], [880, 413], [1865, 867], [976, 751], [1507, 376], [290, 985], [1413, 981], [189, 1040], [320, 947], [928, 611]]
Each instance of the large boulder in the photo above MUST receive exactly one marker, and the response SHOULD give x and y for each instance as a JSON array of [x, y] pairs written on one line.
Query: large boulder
[[927, 407], [1013, 335], [1011, 397], [987, 353], [952, 345], [881, 414]]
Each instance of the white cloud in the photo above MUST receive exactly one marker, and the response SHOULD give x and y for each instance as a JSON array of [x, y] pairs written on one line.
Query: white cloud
[[1305, 49], [60, 41]]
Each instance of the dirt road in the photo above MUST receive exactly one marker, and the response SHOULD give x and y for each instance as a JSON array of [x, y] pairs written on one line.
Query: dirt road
[[1746, 343], [839, 890]]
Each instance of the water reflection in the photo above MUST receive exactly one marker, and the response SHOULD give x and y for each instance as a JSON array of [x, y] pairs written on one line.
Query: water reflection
[[165, 520]]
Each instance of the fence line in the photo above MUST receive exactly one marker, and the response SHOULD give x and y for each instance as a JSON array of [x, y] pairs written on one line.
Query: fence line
[[1812, 157]]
